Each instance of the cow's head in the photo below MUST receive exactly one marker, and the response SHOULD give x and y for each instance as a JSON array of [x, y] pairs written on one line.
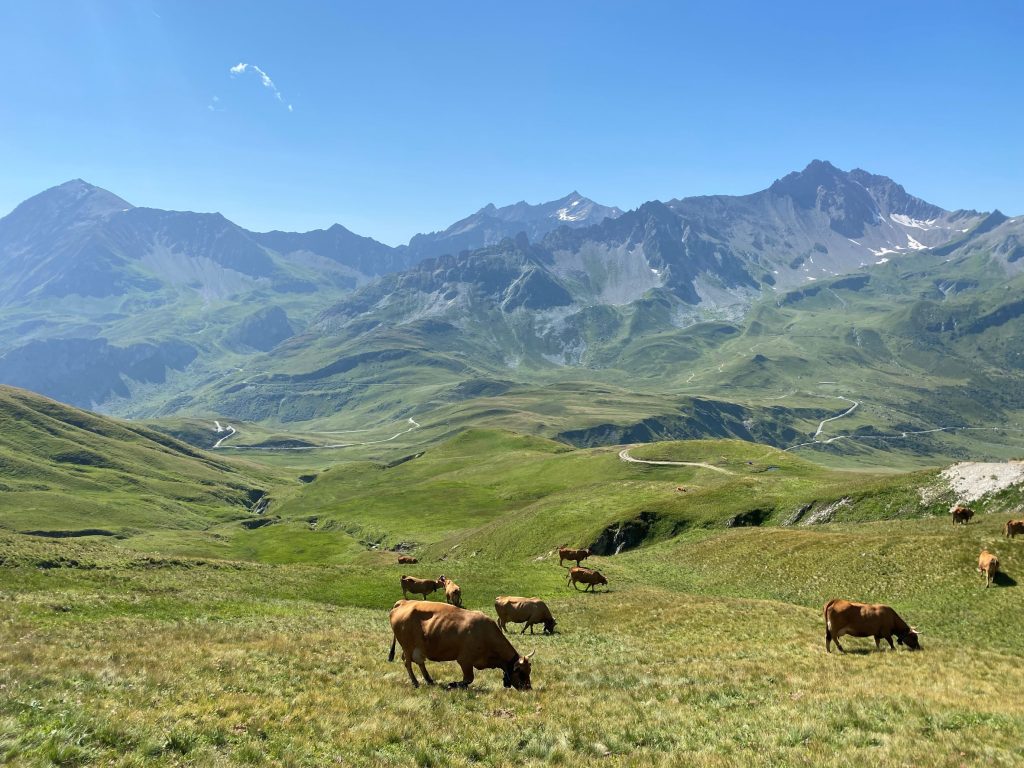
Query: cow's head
[[910, 640], [601, 579], [517, 674], [549, 626]]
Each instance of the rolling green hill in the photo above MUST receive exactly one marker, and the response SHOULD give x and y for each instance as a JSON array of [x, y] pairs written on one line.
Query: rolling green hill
[[210, 643], [66, 472]]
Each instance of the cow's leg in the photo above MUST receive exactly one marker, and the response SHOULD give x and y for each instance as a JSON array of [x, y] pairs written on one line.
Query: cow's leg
[[525, 625], [467, 676], [828, 641], [835, 639], [888, 639], [408, 668], [878, 641]]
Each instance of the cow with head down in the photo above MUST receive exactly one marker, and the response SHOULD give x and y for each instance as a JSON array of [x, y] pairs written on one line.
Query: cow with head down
[[452, 592], [523, 610], [440, 632], [988, 566], [843, 617], [1013, 528], [422, 587], [588, 576], [961, 515]]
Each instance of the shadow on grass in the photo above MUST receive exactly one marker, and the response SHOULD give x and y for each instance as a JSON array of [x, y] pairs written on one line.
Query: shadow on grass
[[1004, 580]]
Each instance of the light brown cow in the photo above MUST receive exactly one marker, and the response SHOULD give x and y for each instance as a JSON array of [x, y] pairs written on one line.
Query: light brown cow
[[585, 576], [452, 593], [407, 560], [523, 610], [1013, 528], [440, 632], [988, 566], [843, 617], [420, 586], [574, 555], [961, 514]]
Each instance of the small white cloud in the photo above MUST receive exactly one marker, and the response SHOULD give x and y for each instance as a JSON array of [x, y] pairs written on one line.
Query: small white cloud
[[241, 68]]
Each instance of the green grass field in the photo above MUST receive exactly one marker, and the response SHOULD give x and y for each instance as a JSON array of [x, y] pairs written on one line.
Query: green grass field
[[193, 640]]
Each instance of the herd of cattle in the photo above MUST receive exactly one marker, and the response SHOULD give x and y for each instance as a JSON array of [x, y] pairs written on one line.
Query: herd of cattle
[[437, 631]]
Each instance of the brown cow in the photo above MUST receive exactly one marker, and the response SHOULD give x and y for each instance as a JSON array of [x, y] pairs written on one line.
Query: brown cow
[[575, 555], [452, 593], [420, 586], [988, 565], [843, 617], [439, 632], [407, 560], [1013, 527], [525, 610], [585, 576], [961, 514]]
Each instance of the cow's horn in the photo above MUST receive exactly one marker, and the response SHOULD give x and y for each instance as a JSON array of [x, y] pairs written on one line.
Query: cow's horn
[[530, 654]]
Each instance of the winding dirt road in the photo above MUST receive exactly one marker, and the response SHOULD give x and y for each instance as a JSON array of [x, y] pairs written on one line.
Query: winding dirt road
[[624, 456], [414, 425]]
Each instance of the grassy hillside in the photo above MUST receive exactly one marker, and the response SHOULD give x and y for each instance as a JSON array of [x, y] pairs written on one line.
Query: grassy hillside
[[66, 472], [706, 649]]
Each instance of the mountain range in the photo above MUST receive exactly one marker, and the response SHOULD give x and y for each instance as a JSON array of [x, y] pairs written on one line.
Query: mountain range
[[145, 312]]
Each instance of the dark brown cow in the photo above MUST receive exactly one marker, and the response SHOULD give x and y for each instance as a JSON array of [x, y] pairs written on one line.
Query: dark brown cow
[[452, 593], [574, 555], [1013, 528], [440, 632], [585, 576], [420, 586], [843, 617], [988, 566], [961, 514], [407, 560], [523, 610]]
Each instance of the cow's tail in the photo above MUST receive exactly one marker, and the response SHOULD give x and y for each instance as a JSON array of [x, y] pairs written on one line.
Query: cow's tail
[[394, 640], [825, 612]]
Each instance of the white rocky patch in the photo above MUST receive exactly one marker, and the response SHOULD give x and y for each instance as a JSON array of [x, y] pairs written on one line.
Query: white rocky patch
[[973, 479], [914, 245], [906, 221]]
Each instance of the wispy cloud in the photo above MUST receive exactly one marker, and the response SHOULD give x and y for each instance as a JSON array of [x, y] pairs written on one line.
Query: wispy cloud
[[241, 68]]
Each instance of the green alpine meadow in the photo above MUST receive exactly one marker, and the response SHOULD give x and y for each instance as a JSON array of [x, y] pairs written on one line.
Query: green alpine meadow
[[429, 385]]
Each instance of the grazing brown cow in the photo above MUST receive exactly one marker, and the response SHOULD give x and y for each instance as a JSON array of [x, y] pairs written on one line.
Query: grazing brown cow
[[407, 560], [988, 565], [420, 586], [843, 617], [1013, 527], [452, 593], [585, 576], [961, 514], [525, 610], [575, 555], [439, 632]]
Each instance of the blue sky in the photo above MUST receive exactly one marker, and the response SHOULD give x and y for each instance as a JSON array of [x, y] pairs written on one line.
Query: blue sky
[[407, 116]]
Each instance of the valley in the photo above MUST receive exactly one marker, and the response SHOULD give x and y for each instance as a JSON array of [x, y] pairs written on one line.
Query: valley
[[710, 316]]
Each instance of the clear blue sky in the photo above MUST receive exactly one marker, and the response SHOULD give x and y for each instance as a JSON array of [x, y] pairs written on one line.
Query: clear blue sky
[[407, 116]]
